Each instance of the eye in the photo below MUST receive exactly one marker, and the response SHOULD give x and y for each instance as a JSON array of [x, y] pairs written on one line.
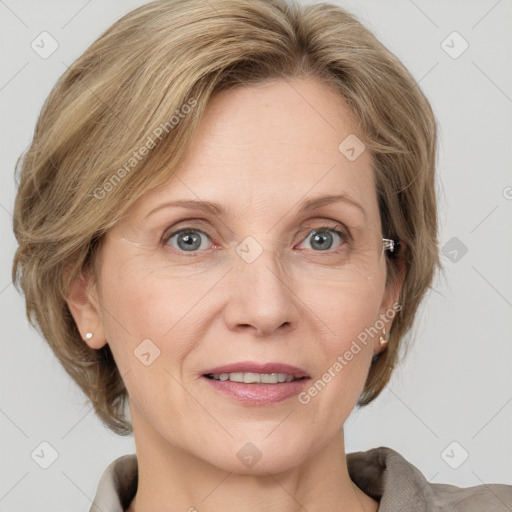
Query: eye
[[192, 239], [323, 237], [187, 239]]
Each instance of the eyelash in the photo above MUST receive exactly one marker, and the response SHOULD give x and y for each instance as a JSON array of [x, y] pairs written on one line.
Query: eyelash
[[336, 228]]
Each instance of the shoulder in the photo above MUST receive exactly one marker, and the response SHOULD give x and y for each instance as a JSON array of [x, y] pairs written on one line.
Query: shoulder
[[481, 498], [397, 484], [117, 485]]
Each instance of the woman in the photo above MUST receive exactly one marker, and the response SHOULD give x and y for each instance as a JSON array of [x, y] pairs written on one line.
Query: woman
[[227, 221]]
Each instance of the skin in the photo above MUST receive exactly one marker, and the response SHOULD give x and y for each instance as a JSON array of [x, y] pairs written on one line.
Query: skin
[[260, 151]]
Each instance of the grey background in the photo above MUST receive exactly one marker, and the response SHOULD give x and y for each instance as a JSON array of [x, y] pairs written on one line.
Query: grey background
[[455, 385]]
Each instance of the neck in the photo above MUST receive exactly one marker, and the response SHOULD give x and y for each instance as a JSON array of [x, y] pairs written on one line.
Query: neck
[[170, 478]]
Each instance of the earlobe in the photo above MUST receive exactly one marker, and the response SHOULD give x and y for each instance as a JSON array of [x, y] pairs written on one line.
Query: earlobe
[[82, 301]]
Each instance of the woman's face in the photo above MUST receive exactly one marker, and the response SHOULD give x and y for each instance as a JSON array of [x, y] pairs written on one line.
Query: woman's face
[[253, 283]]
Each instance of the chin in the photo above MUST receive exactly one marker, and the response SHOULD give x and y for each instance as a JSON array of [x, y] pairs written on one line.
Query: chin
[[274, 463], [259, 456]]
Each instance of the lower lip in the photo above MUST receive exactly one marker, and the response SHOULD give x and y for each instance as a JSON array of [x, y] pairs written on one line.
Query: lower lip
[[258, 394]]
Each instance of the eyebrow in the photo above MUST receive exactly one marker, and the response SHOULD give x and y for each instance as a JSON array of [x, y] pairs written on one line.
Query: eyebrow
[[218, 210]]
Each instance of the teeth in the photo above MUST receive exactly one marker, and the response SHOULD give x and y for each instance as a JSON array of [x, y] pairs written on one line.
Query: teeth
[[252, 378]]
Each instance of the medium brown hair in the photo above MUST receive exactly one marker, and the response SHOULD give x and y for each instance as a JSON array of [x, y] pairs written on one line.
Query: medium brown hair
[[85, 165]]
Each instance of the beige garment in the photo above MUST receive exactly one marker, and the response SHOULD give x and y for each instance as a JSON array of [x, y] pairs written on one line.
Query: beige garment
[[382, 473]]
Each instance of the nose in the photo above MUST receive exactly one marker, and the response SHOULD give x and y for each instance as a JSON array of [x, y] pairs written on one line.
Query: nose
[[261, 297]]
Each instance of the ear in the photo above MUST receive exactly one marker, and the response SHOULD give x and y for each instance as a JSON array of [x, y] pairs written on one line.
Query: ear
[[390, 306], [82, 300]]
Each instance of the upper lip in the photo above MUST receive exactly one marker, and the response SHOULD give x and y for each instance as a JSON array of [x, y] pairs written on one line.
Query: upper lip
[[253, 367]]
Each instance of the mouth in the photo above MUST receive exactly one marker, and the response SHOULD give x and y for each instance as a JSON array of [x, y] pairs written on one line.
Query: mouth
[[255, 383], [254, 378], [251, 372]]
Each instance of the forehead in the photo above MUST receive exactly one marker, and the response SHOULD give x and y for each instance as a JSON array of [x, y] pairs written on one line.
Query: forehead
[[271, 144]]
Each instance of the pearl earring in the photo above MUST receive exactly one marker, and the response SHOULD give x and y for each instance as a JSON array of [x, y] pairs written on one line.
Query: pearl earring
[[88, 336]]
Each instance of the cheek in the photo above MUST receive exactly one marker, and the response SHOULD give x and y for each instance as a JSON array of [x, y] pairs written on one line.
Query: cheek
[[351, 352], [347, 312], [141, 302], [145, 316], [345, 347]]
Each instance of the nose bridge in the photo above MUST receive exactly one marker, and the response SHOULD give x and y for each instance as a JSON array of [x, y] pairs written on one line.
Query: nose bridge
[[262, 293]]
